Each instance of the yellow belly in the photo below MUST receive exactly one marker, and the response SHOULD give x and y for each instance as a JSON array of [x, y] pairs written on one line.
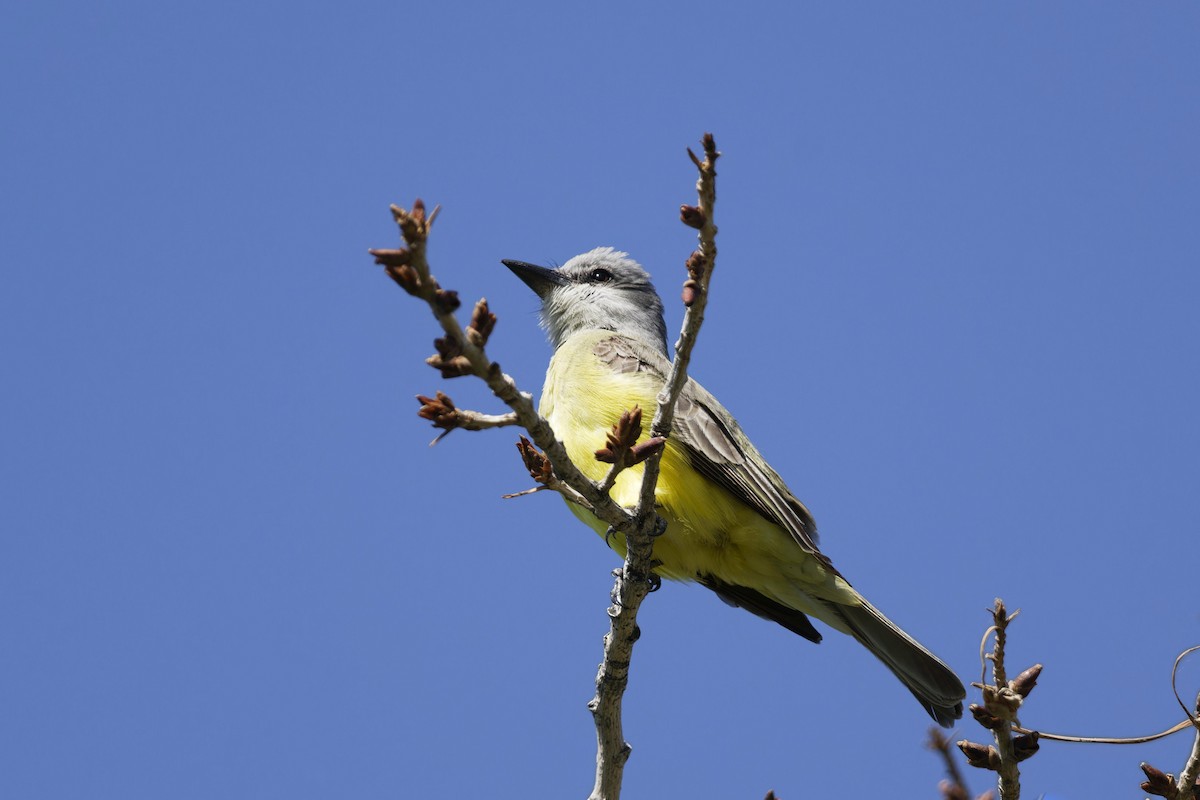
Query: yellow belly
[[709, 530]]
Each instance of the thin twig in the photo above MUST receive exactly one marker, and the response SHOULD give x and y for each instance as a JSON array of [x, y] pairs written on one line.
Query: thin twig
[[461, 352], [634, 580], [478, 421], [1062, 737], [1001, 699], [1193, 719], [1009, 772], [443, 413], [1191, 770], [954, 787], [1186, 785]]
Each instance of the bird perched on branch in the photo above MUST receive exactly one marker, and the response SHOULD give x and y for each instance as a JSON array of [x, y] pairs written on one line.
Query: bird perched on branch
[[732, 524]]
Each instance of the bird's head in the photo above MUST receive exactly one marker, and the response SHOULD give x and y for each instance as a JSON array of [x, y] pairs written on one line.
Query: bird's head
[[604, 289]]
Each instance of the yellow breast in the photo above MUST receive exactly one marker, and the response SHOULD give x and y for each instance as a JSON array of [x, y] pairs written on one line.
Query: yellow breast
[[709, 531]]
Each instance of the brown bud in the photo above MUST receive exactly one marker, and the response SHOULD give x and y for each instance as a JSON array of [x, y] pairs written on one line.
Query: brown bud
[[1158, 782], [446, 301], [691, 216], [639, 453], [1025, 745], [979, 755], [482, 323], [449, 358], [621, 438], [695, 265], [1023, 684], [535, 461], [691, 290], [412, 225], [985, 718], [439, 410], [391, 258], [451, 367], [710, 147], [952, 791], [447, 346], [405, 276]]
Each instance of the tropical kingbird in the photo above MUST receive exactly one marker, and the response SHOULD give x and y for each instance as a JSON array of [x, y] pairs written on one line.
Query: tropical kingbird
[[732, 524]]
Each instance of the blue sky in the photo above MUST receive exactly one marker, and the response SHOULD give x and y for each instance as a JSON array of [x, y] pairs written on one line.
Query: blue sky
[[955, 307]]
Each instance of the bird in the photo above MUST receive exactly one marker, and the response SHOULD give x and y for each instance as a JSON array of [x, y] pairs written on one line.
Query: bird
[[732, 525]]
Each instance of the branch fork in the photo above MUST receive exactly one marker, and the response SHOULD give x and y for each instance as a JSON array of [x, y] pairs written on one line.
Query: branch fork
[[461, 352]]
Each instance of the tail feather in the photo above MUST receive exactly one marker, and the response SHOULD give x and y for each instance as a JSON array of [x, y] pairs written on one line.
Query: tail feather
[[934, 684]]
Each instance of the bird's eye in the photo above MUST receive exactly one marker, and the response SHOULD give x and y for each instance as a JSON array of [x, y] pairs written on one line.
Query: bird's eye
[[599, 276]]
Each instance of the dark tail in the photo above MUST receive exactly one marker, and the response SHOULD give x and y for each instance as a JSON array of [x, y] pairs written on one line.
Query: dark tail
[[934, 685]]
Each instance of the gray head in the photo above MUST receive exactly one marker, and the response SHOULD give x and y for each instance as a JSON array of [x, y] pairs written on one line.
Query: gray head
[[604, 288]]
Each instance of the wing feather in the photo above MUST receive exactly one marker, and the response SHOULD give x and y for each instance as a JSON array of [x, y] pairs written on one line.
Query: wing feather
[[716, 446]]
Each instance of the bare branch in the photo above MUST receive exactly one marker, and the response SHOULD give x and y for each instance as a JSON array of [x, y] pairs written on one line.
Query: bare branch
[[542, 472], [1001, 699], [635, 579], [442, 412], [1061, 737], [1187, 785], [954, 787], [461, 352], [1189, 780], [1193, 720]]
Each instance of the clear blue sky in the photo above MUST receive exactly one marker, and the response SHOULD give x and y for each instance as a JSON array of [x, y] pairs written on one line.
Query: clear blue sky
[[956, 307]]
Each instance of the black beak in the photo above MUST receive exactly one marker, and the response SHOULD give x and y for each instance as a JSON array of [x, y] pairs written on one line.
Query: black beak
[[540, 279]]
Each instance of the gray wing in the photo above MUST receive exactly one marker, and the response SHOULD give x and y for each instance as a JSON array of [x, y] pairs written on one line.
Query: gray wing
[[716, 446], [760, 605]]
